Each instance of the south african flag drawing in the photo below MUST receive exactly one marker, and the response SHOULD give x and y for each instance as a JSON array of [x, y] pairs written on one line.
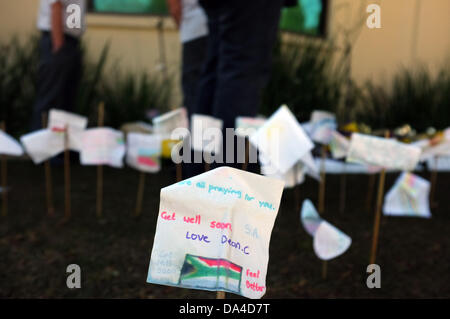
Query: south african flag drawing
[[147, 157], [208, 273]]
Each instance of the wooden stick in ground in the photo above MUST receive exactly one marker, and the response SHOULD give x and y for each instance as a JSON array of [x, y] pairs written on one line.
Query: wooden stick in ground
[[48, 177], [4, 179], [433, 181], [220, 295], [372, 179], [247, 155], [99, 211], [322, 184], [67, 199], [343, 189], [376, 224], [324, 269], [140, 194]]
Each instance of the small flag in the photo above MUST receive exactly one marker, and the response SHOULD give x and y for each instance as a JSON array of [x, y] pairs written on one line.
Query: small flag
[[208, 273]]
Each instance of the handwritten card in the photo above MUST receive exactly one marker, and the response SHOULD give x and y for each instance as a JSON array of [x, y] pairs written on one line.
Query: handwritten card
[[143, 152], [245, 126], [339, 145], [282, 140], [295, 176], [383, 152], [59, 121], [43, 144], [322, 124], [102, 146], [164, 125], [213, 232], [408, 197], [9, 146], [329, 242], [203, 130]]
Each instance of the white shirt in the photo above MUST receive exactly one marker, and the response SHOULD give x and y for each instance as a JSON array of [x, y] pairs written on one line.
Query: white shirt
[[69, 16], [194, 23]]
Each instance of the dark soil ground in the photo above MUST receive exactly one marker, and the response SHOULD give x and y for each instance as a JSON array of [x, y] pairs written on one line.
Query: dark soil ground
[[114, 252]]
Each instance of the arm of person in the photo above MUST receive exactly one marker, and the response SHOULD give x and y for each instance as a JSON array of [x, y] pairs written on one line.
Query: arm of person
[[57, 30], [175, 10]]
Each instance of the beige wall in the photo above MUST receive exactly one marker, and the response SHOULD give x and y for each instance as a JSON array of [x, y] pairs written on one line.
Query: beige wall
[[412, 31]]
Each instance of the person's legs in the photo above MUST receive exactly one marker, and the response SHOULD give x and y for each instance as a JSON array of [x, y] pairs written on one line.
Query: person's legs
[[58, 78], [49, 84], [247, 34], [72, 69], [193, 59]]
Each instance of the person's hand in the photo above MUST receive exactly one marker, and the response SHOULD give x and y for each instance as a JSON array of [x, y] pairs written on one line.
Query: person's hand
[[58, 42], [175, 10]]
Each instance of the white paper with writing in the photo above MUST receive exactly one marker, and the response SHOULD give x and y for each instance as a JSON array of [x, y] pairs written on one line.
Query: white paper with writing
[[206, 134], [213, 232], [102, 146], [322, 124], [164, 125], [329, 242], [339, 145], [383, 152], [43, 144], [282, 140], [144, 152], [408, 197], [246, 126], [9, 146], [75, 124]]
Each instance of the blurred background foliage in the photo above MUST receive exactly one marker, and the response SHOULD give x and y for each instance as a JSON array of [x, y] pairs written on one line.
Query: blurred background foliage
[[305, 76], [128, 96]]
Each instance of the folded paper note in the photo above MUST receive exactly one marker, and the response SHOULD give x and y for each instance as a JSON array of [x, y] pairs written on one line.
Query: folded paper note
[[408, 197], [43, 144], [102, 146], [60, 121], [246, 126], [213, 232], [339, 145], [383, 152], [322, 124], [144, 151], [295, 176], [206, 134], [282, 140], [329, 242], [165, 124], [9, 146]]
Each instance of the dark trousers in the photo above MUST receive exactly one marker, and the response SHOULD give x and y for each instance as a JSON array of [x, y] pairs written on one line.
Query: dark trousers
[[59, 77], [241, 37], [193, 58]]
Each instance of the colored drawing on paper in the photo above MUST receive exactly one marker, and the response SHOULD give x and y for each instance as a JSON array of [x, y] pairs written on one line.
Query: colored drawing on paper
[[209, 273]]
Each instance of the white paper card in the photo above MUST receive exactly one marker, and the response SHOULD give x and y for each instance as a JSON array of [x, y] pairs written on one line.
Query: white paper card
[[408, 197], [246, 126], [165, 124], [339, 145], [43, 144], [102, 146], [206, 134], [59, 120], [329, 242], [144, 152], [321, 126], [9, 146], [213, 232], [282, 140], [383, 152]]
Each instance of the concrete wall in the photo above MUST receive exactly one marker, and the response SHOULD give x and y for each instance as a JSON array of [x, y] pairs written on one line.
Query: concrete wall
[[413, 31]]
